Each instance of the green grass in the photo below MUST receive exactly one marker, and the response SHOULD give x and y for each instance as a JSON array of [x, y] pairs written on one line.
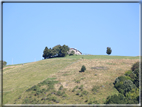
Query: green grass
[[102, 57], [20, 78], [17, 80]]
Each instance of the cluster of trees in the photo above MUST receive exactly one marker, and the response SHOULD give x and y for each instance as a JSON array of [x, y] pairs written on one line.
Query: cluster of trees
[[128, 87], [56, 51], [2, 64]]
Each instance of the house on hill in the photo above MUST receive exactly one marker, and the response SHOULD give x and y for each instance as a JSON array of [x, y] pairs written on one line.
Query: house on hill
[[77, 52]]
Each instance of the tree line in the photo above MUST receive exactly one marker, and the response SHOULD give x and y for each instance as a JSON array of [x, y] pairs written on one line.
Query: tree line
[[56, 51]]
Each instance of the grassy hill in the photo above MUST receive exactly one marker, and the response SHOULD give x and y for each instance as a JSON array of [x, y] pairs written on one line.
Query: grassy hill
[[101, 71]]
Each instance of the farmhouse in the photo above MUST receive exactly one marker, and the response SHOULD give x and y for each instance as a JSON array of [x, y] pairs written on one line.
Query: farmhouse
[[77, 52]]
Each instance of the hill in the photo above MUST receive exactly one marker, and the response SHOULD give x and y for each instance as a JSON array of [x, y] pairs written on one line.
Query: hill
[[101, 72]]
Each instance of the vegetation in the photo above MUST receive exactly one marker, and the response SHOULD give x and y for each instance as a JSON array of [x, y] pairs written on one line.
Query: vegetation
[[45, 83], [135, 66], [128, 87], [2, 64], [83, 68], [72, 53], [56, 51], [108, 50]]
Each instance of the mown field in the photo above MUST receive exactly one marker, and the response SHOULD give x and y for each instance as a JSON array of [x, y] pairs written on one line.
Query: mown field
[[101, 72]]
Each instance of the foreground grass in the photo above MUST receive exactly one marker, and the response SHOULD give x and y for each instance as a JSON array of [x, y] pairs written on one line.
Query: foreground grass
[[66, 70], [18, 79]]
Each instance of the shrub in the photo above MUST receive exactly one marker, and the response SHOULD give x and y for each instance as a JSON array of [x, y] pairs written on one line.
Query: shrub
[[128, 86], [136, 72], [61, 87], [128, 72], [76, 87], [133, 94], [64, 95], [132, 76], [120, 79], [59, 93], [81, 87], [78, 93], [73, 90], [92, 101], [115, 99], [95, 88], [84, 92], [83, 68], [72, 53], [77, 81], [135, 66]]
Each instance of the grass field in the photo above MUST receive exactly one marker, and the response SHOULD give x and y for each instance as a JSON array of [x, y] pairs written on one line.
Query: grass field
[[18, 78]]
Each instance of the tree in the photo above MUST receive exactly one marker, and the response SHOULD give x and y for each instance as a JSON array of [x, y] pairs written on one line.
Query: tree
[[108, 50], [63, 50], [83, 68], [56, 50], [45, 53], [2, 64], [51, 53]]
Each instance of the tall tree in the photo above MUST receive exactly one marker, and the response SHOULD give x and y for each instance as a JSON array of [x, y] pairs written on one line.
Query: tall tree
[[56, 50], [45, 53], [63, 50], [51, 53], [108, 50]]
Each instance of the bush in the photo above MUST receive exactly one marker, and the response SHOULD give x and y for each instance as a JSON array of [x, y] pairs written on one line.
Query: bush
[[83, 68], [59, 93], [61, 87], [84, 92], [135, 66], [81, 87], [72, 53], [132, 76], [92, 101], [78, 93], [120, 79], [133, 94], [95, 88], [128, 86], [136, 72], [77, 81], [64, 95], [115, 99], [128, 72], [74, 88]]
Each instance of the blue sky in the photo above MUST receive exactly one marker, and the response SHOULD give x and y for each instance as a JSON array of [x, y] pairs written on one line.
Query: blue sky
[[89, 27]]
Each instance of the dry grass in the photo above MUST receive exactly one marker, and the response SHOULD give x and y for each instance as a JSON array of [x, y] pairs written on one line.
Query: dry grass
[[21, 77], [104, 77]]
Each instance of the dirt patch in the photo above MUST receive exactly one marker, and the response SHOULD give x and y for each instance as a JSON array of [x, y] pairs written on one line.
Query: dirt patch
[[9, 67], [100, 68]]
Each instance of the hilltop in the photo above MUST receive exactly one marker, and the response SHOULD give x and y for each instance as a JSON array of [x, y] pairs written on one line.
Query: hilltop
[[101, 72]]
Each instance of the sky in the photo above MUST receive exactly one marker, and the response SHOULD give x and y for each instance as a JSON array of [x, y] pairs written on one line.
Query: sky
[[89, 27]]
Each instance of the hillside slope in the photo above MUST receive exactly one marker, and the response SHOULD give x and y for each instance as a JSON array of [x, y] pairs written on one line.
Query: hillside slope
[[101, 71]]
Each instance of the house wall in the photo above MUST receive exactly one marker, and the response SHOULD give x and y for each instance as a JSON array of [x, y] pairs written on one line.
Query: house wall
[[75, 51]]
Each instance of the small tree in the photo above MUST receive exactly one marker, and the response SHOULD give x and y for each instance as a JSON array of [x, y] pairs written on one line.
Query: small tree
[[83, 68], [108, 50]]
